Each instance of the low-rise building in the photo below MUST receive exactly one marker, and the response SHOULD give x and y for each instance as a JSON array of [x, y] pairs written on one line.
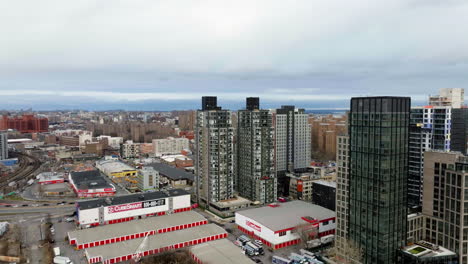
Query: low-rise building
[[173, 176], [300, 185], [90, 184], [115, 168], [219, 251], [112, 210], [50, 177], [277, 225]]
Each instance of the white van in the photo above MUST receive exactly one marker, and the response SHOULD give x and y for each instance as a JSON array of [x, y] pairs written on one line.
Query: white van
[[62, 260]]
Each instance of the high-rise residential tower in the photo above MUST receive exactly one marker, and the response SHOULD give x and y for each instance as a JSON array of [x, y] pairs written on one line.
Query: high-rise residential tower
[[255, 153], [215, 153], [453, 97], [378, 136], [292, 139], [430, 128], [342, 196], [445, 201], [3, 146]]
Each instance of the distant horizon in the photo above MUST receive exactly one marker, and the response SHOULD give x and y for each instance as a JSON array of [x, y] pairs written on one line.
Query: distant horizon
[[192, 106]]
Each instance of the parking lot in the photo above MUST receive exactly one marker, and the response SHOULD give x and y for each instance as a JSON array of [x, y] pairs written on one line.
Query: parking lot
[[61, 231]]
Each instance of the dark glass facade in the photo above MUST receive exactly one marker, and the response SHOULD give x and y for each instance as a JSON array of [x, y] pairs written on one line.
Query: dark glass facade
[[378, 131], [460, 130]]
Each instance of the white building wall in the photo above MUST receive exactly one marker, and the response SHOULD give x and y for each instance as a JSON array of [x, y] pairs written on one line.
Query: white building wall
[[182, 201], [88, 216], [135, 212]]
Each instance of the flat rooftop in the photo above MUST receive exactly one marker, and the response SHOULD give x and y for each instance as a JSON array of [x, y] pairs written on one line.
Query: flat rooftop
[[89, 180], [422, 251], [111, 166], [49, 176], [131, 198], [134, 227], [220, 251], [171, 172], [326, 183], [129, 247], [287, 215]]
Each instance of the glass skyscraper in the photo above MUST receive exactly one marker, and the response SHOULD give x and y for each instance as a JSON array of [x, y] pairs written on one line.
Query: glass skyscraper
[[378, 134]]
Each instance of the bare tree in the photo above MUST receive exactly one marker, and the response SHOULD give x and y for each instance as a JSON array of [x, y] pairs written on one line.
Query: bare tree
[[348, 252], [306, 232]]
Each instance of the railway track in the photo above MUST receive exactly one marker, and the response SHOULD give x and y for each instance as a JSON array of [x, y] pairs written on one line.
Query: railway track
[[27, 166]]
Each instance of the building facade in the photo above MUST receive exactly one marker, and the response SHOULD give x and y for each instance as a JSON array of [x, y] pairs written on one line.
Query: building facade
[[342, 195], [378, 134], [170, 146], [459, 133], [215, 153], [130, 150], [3, 146], [445, 201], [324, 132], [292, 144], [324, 194], [256, 175], [148, 179], [453, 97], [25, 123]]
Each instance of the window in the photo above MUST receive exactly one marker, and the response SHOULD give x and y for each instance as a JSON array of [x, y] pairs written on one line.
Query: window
[[282, 233]]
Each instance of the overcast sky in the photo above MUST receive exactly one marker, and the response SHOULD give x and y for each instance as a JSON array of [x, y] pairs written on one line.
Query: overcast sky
[[162, 55]]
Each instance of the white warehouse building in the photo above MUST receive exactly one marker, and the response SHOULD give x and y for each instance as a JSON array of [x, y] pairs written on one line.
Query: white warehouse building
[[129, 207], [169, 146], [275, 224]]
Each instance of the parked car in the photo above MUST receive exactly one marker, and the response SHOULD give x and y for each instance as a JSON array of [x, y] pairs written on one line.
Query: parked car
[[69, 219], [258, 242]]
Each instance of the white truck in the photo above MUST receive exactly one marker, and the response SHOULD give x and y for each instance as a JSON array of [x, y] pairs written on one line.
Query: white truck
[[62, 260]]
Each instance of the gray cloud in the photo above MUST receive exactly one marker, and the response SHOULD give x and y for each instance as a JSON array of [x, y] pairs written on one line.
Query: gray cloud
[[276, 49]]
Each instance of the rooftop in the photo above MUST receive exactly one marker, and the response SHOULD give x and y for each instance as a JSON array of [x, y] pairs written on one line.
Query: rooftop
[[134, 227], [128, 247], [48, 176], [287, 215], [110, 166], [220, 251], [89, 180], [423, 249], [171, 172], [326, 183], [131, 198]]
